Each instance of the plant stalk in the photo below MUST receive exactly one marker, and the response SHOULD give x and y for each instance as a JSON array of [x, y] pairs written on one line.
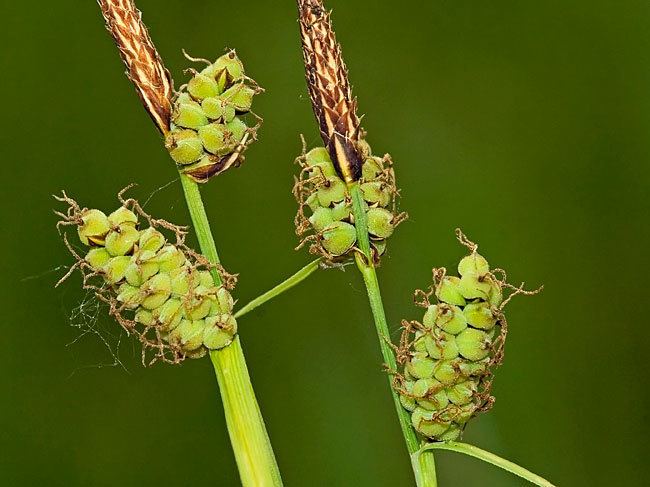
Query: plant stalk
[[423, 462], [285, 285], [488, 457], [248, 436]]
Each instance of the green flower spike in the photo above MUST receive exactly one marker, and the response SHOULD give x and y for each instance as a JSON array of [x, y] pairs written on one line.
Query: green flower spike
[[447, 361], [207, 135], [160, 291], [324, 217]]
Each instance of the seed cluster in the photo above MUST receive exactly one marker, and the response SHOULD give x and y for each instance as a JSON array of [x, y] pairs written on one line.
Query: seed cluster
[[448, 358], [207, 133], [163, 292], [322, 193]]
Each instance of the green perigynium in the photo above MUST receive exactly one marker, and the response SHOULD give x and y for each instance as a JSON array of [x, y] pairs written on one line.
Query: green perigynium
[[160, 291], [448, 358], [325, 217], [207, 133]]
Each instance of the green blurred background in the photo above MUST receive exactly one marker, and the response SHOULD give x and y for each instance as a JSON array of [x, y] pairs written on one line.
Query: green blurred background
[[525, 123]]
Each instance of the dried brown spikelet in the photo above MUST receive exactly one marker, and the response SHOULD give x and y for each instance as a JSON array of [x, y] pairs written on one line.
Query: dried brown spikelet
[[143, 63], [329, 89]]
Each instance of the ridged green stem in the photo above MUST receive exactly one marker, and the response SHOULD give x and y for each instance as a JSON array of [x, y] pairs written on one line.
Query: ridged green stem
[[248, 436], [423, 462], [488, 457], [285, 285]]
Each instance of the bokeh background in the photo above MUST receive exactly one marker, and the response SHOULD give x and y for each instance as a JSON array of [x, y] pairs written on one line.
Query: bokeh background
[[525, 123]]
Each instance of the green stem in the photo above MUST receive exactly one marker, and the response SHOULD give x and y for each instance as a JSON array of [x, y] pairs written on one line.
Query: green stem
[[248, 435], [488, 457], [250, 441], [292, 281], [201, 223], [423, 465]]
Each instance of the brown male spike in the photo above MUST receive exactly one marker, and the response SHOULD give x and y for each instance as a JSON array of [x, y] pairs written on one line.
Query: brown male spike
[[329, 89], [143, 63]]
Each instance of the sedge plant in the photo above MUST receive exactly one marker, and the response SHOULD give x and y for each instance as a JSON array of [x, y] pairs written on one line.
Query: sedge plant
[[441, 372], [178, 302]]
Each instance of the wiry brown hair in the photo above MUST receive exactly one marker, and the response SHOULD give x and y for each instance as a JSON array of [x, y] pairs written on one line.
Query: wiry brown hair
[[143, 63], [329, 89]]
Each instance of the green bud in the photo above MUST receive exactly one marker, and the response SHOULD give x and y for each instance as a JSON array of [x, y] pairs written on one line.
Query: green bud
[[240, 96], [452, 434], [170, 258], [189, 116], [317, 156], [465, 413], [408, 402], [215, 139], [339, 237], [151, 240], [461, 394], [473, 287], [321, 219], [371, 168], [473, 369], [237, 129], [341, 211], [333, 190], [428, 424], [115, 269], [94, 227], [144, 317], [441, 345], [183, 279], [420, 366], [227, 69], [375, 192], [495, 296], [200, 307], [205, 279], [473, 264], [473, 344], [122, 239], [224, 303], [157, 290], [219, 331], [97, 258], [312, 202], [446, 371], [188, 335], [419, 343], [448, 291], [129, 296], [430, 394], [202, 86], [140, 271], [122, 216], [185, 147], [480, 315], [319, 161], [380, 222], [217, 109], [447, 317], [169, 315]]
